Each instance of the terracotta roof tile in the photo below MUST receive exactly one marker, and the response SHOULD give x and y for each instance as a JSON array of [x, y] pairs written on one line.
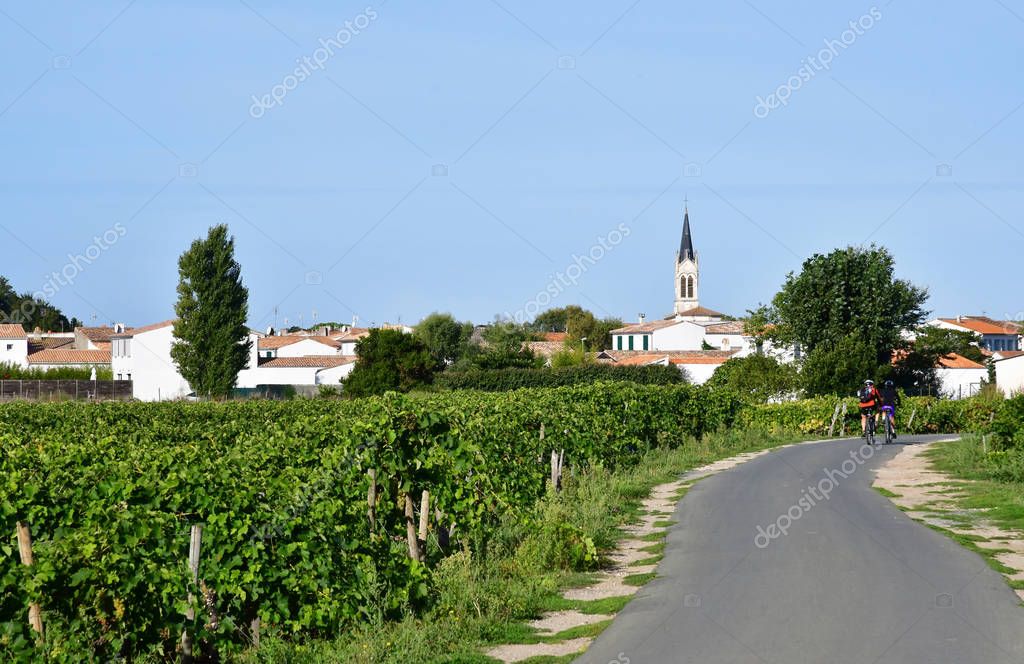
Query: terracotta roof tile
[[728, 327], [96, 334], [700, 311], [273, 343], [1008, 354], [983, 325], [555, 336], [954, 361], [309, 361], [131, 332], [44, 343], [12, 331], [62, 356]]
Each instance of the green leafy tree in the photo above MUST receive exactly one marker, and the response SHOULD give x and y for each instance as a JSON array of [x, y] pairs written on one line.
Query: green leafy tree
[[841, 369], [760, 377], [389, 361], [445, 338], [554, 320], [846, 300], [505, 347], [31, 312], [212, 343]]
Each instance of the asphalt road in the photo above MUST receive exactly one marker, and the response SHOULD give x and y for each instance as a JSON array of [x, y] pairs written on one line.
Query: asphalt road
[[852, 579]]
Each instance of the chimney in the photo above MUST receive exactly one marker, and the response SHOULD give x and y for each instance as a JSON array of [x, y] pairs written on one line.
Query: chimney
[[960, 319], [642, 317]]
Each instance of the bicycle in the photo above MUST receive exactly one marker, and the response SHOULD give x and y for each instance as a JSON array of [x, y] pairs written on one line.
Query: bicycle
[[869, 434], [888, 412]]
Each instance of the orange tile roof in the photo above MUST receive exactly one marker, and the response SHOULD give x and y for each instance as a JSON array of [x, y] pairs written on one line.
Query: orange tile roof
[[96, 334], [308, 362], [700, 311], [728, 327], [273, 343], [132, 331], [954, 361], [555, 336], [1009, 354], [703, 357], [62, 356], [12, 331], [674, 356], [641, 360], [982, 325], [44, 343], [353, 334]]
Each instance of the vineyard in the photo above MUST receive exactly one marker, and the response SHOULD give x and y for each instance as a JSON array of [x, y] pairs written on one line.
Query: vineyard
[[297, 538], [314, 513]]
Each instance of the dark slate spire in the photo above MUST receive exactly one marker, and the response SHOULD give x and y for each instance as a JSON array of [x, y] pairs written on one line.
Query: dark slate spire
[[686, 244]]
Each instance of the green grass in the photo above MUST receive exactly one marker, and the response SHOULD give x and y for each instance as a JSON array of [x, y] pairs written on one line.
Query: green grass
[[886, 492], [484, 596], [993, 486], [639, 579]]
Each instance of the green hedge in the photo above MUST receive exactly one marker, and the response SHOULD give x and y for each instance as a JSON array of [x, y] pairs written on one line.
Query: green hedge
[[502, 380], [930, 415]]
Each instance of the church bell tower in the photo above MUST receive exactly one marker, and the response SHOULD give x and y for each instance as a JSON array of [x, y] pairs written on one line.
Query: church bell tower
[[687, 270]]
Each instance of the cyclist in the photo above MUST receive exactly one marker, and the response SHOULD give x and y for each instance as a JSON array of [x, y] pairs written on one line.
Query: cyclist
[[890, 400], [869, 400]]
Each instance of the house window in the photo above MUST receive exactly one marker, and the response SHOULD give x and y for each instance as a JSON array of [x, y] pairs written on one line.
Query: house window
[[646, 341], [10, 346], [631, 342], [129, 377], [119, 376], [618, 342]]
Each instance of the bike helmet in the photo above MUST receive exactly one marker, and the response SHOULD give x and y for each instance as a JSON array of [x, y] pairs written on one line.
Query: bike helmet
[[869, 382], [889, 383]]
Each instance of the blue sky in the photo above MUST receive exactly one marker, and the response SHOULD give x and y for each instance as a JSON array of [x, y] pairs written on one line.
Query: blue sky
[[555, 123]]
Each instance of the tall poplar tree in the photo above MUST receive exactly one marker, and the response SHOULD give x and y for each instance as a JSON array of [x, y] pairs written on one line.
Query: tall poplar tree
[[211, 338]]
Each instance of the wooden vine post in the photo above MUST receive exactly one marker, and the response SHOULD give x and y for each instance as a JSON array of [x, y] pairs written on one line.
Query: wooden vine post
[[35, 615], [410, 529], [424, 516], [371, 500]]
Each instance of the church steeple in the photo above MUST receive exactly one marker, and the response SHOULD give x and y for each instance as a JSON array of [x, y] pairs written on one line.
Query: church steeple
[[687, 269], [686, 244]]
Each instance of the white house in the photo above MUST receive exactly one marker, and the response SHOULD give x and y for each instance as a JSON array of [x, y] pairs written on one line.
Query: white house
[[1009, 371], [308, 370], [960, 377], [13, 345], [993, 335], [296, 346], [143, 356]]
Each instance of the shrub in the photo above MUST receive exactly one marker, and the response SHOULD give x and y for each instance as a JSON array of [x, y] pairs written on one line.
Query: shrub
[[1008, 425]]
